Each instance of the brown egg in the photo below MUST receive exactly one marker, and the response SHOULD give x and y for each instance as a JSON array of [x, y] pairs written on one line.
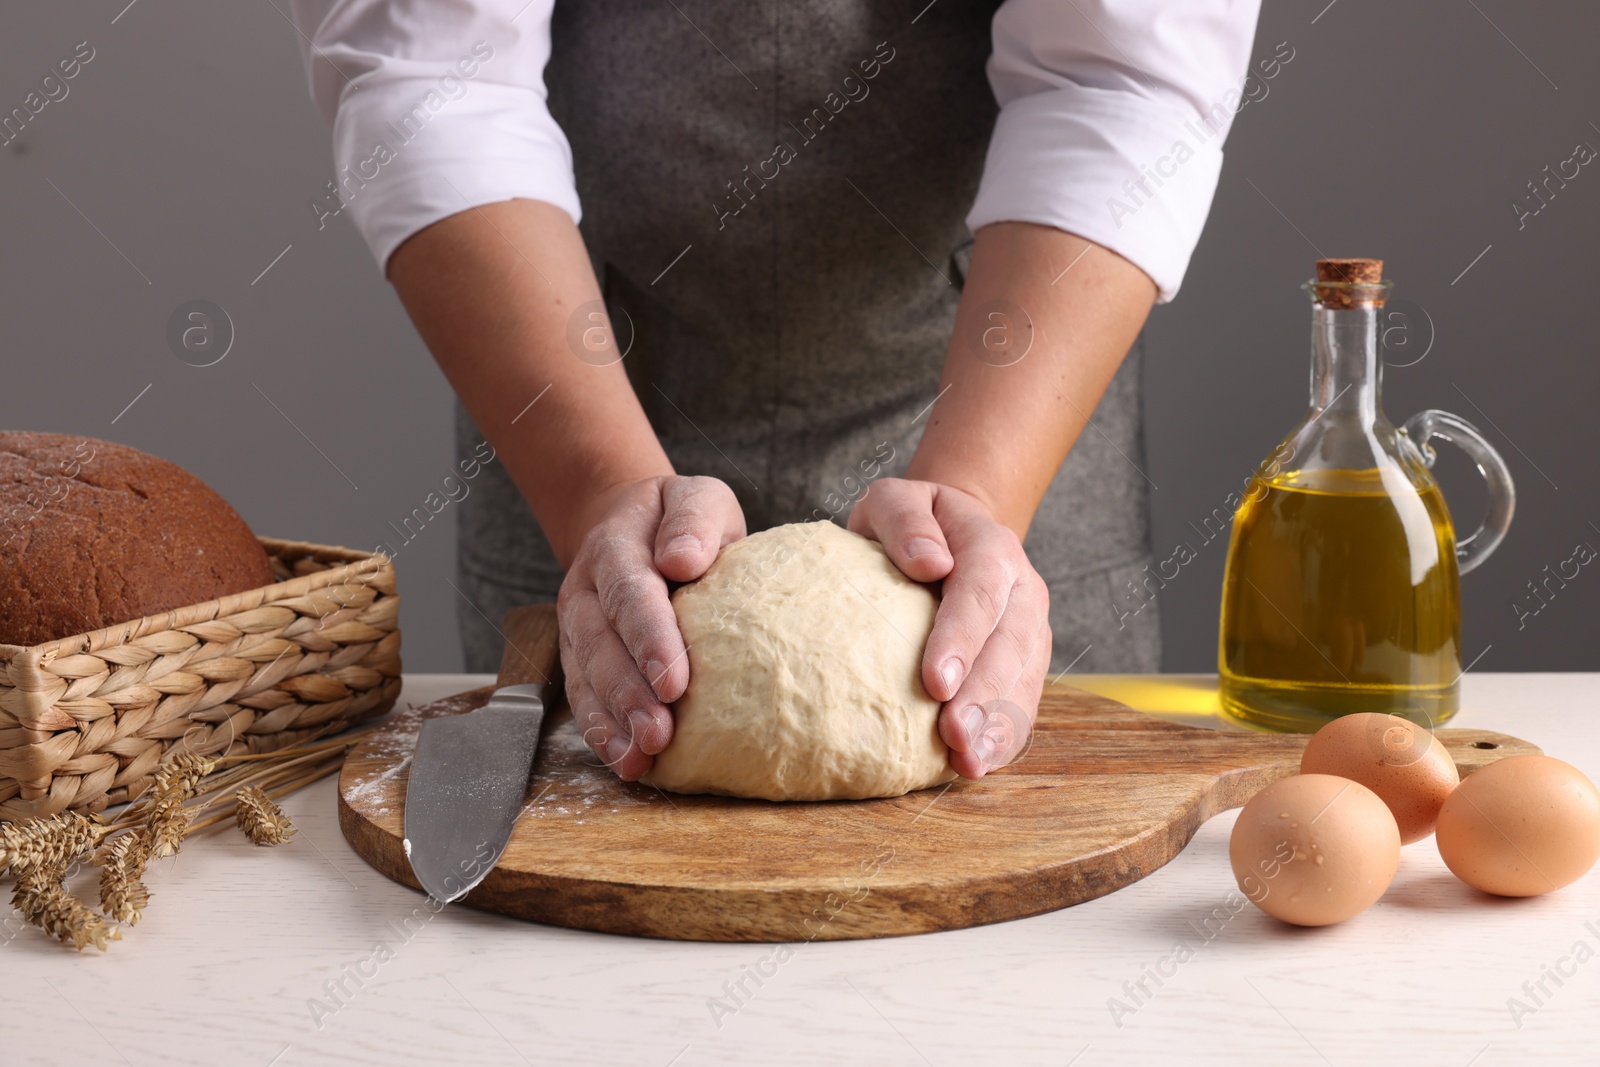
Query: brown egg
[[1521, 826], [1314, 849], [1402, 762]]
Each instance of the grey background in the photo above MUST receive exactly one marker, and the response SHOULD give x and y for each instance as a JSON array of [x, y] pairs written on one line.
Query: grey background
[[183, 157]]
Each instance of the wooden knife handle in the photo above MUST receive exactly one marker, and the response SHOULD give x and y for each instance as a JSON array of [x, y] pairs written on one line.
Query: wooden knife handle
[[533, 651]]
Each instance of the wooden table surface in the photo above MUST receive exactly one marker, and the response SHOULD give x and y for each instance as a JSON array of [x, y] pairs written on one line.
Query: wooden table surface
[[242, 954]]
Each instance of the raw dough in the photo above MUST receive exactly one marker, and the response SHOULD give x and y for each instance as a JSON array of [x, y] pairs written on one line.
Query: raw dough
[[805, 673]]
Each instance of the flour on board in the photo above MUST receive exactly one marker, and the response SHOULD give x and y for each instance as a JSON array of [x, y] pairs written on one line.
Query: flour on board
[[571, 780]]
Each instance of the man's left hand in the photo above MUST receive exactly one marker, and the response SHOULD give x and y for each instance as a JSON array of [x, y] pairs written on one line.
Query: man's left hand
[[989, 651]]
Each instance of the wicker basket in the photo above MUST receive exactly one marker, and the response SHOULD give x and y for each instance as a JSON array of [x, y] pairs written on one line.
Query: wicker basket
[[85, 719]]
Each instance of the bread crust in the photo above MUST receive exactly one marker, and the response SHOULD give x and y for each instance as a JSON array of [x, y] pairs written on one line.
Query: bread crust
[[94, 533]]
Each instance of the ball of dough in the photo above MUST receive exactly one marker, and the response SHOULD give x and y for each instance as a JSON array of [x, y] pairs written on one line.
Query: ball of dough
[[805, 673]]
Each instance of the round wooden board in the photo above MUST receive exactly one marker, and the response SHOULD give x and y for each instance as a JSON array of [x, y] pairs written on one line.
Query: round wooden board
[[1104, 796]]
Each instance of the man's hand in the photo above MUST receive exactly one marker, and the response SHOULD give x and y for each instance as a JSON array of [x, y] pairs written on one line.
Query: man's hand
[[1045, 318], [621, 650], [989, 651]]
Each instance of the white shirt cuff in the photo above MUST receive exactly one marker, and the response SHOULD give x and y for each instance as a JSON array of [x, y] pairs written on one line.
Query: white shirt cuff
[[1131, 174], [402, 165]]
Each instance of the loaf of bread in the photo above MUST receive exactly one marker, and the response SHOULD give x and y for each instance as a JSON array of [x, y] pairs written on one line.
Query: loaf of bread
[[94, 533]]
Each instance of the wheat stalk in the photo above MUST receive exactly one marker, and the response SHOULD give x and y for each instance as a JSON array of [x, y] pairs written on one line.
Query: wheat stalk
[[243, 776], [154, 824], [275, 790], [237, 774]]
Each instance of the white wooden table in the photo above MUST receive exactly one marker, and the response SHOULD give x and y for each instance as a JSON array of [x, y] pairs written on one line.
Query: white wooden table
[[241, 954]]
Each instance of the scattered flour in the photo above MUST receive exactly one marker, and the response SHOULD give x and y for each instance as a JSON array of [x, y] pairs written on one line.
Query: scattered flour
[[569, 781]]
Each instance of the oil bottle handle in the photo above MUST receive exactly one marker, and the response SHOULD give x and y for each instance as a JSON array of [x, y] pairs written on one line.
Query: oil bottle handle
[[1477, 546]]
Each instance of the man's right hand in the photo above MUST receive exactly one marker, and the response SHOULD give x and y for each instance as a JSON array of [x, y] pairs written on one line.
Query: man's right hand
[[621, 650], [494, 291]]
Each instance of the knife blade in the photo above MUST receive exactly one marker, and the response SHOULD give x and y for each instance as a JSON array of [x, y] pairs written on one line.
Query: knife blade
[[468, 777]]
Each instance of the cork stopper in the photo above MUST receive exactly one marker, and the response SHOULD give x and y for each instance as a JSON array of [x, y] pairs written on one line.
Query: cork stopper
[[1350, 283]]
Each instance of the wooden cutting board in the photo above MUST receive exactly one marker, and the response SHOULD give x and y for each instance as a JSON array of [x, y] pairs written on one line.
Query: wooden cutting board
[[1104, 796]]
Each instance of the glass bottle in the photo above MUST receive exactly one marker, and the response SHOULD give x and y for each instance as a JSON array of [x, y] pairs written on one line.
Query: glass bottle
[[1342, 587]]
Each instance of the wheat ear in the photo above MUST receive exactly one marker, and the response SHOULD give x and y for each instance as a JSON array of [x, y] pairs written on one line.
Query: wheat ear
[[261, 820], [52, 842], [123, 894], [176, 781], [44, 901]]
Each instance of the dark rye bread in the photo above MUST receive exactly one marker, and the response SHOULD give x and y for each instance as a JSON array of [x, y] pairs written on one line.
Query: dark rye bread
[[94, 533]]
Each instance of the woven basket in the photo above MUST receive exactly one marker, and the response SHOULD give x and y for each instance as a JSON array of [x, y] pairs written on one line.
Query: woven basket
[[85, 719]]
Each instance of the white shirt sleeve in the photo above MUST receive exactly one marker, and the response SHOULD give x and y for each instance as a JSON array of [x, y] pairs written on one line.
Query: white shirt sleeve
[[435, 107], [1112, 118]]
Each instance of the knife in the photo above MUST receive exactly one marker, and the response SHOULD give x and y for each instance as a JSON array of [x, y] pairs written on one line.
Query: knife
[[468, 777]]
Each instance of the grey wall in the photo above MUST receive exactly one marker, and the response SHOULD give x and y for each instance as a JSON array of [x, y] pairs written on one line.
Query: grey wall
[[185, 152], [190, 144]]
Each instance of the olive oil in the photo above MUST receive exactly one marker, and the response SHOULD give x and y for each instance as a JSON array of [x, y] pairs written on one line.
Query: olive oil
[[1342, 595], [1342, 592]]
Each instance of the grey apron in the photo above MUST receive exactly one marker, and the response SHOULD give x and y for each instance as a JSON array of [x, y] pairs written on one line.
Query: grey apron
[[789, 307]]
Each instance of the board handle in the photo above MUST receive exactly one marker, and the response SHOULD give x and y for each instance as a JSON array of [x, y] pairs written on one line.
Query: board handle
[[533, 649]]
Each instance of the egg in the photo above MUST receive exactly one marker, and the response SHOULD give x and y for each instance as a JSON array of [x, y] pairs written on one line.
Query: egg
[[1314, 849], [1521, 826], [1403, 763]]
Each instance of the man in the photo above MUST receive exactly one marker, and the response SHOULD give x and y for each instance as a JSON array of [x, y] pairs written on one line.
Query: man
[[779, 202]]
